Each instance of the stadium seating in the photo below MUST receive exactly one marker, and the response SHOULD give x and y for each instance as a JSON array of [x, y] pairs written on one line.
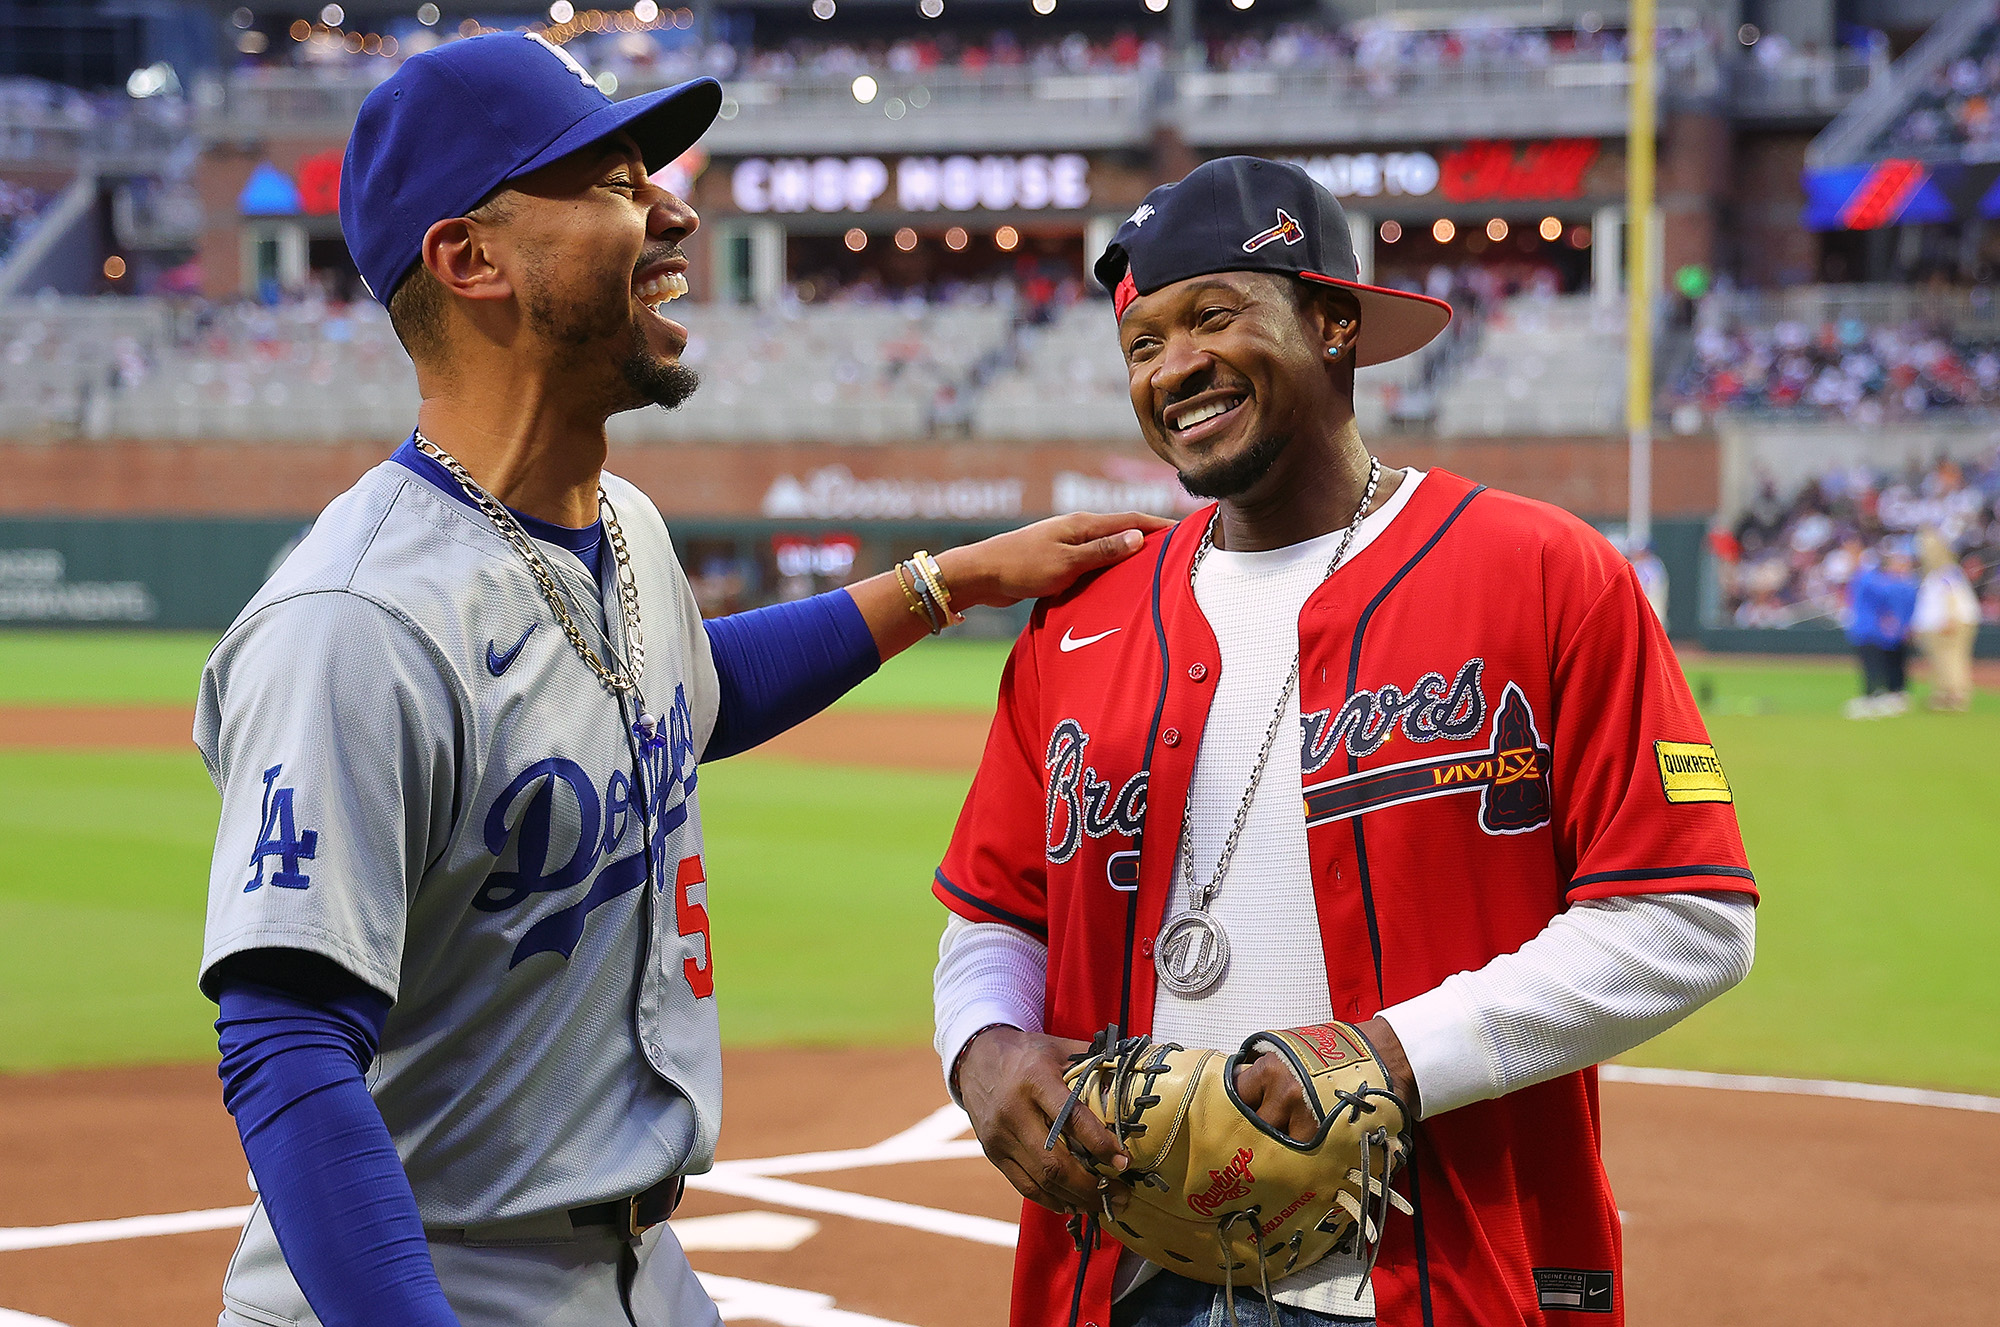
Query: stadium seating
[[1786, 562], [1544, 365], [1861, 353]]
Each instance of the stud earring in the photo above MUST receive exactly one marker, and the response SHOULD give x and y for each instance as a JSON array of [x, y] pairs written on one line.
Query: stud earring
[[1333, 352]]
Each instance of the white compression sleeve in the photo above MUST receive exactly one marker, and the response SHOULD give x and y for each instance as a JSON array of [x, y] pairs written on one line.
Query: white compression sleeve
[[1599, 979], [987, 973]]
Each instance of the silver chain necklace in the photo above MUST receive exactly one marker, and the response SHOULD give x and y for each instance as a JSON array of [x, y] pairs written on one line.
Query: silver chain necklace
[[1192, 951], [510, 529]]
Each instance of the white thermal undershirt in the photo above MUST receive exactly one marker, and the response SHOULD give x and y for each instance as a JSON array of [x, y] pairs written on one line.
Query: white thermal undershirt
[[1603, 976]]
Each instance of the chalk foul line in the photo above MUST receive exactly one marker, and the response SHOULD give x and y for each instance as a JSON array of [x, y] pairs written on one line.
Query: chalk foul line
[[1799, 1087]]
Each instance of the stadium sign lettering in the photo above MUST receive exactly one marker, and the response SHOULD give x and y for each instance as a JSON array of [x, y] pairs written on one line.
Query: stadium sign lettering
[[923, 184], [1372, 174]]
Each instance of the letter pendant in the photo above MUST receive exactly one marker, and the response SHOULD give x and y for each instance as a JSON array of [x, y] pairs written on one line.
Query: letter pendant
[[1191, 954]]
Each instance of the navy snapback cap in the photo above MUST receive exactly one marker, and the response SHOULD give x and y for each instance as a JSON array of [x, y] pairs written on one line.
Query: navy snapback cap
[[1246, 214], [456, 122]]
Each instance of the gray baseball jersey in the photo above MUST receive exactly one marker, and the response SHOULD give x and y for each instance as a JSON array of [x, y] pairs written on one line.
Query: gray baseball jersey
[[422, 782]]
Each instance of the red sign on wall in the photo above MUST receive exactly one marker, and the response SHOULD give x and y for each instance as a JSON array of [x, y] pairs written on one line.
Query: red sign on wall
[[1496, 172], [319, 183]]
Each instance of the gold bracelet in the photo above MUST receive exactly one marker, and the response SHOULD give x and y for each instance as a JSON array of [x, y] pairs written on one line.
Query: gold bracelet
[[934, 577], [916, 604]]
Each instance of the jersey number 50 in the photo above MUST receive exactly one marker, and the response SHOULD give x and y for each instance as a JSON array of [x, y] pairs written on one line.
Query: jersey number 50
[[691, 918]]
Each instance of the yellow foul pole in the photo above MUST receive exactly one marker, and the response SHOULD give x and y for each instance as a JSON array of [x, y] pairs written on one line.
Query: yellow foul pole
[[1639, 249]]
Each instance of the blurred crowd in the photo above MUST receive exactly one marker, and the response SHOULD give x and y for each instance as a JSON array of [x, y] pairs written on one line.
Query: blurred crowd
[[20, 206], [1845, 368], [1793, 562], [1960, 106]]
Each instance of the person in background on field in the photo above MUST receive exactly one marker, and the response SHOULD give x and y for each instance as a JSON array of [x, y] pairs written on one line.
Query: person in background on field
[[1882, 597], [1946, 620], [1652, 575]]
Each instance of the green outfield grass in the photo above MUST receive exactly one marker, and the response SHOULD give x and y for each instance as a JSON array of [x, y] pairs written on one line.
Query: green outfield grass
[[1873, 843]]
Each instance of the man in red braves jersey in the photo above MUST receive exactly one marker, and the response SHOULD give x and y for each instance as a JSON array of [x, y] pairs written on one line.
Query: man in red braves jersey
[[1493, 836]]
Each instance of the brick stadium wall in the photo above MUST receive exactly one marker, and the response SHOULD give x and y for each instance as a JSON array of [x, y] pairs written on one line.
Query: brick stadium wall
[[130, 478]]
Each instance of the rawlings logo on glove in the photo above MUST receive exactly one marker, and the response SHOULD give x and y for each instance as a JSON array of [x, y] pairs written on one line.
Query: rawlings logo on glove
[[1216, 1189]]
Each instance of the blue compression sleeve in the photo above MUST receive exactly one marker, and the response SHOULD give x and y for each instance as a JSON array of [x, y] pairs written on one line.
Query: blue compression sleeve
[[781, 665], [292, 1075]]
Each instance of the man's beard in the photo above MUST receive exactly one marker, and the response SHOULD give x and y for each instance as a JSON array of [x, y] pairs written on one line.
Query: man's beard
[[663, 382], [1236, 475], [579, 330]]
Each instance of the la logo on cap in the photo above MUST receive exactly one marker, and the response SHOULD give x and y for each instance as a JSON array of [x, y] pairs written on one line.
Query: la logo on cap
[[582, 74]]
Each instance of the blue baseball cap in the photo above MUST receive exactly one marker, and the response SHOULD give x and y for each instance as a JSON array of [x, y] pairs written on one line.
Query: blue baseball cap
[[456, 122], [1246, 214]]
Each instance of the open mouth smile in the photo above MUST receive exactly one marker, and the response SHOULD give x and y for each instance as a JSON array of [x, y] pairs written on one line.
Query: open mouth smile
[[1188, 418], [658, 283]]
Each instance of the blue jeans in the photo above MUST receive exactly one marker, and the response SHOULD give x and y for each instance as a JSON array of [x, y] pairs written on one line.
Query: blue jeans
[[1175, 1301]]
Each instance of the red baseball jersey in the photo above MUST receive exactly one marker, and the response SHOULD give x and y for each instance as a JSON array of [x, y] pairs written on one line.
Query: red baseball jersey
[[1493, 726]]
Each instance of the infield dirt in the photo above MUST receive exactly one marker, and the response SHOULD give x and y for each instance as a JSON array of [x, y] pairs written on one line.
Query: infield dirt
[[1743, 1210]]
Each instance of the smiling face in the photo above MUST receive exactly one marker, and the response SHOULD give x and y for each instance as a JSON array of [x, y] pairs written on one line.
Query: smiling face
[[590, 247], [1226, 370]]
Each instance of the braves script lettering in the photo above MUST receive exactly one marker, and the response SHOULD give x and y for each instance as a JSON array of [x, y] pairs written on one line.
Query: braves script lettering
[[1233, 1181], [1427, 711], [1080, 802]]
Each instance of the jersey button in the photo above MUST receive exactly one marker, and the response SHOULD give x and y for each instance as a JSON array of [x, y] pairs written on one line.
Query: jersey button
[[1172, 737], [1197, 671]]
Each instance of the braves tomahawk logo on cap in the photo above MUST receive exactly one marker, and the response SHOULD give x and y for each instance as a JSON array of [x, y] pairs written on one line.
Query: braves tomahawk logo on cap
[[1221, 219], [1287, 230]]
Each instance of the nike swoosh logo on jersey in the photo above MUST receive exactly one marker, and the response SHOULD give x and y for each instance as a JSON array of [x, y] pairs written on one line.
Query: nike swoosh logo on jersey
[[498, 663], [1069, 642]]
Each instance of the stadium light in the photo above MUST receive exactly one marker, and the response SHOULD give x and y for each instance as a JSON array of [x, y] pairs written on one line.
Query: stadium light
[[1044, 6], [906, 239], [865, 88], [1443, 231], [562, 11], [856, 240], [301, 29], [1007, 237], [1496, 230], [645, 11], [333, 16], [1157, 6], [428, 15], [1392, 231], [1551, 229], [114, 267], [822, 10], [930, 8], [243, 18], [1243, 4], [955, 239]]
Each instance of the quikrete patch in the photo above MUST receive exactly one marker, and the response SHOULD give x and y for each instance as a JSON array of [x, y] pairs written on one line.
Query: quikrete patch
[[1690, 772]]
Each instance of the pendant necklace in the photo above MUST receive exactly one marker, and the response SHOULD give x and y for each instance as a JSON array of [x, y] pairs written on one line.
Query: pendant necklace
[[649, 729], [1192, 951]]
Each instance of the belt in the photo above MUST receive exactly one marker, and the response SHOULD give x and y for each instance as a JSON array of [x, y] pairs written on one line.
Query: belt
[[625, 1218], [632, 1217]]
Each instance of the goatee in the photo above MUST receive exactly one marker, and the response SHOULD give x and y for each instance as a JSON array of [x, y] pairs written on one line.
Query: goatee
[[662, 382], [1235, 475]]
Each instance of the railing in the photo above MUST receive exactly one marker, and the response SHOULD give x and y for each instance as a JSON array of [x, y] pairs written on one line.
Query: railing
[[1801, 86], [937, 109], [1353, 103], [1973, 311]]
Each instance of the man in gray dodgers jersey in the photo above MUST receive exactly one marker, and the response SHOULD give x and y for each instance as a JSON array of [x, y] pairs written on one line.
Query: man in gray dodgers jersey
[[457, 925]]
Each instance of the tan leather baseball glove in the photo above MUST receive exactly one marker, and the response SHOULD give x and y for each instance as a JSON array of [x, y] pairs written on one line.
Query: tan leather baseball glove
[[1222, 1196]]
